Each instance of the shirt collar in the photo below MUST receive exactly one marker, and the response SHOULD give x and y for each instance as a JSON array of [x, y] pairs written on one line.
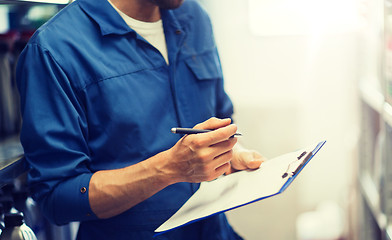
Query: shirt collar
[[110, 22], [170, 20]]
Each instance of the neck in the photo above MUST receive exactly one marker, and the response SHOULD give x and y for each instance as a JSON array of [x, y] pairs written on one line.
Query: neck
[[141, 10]]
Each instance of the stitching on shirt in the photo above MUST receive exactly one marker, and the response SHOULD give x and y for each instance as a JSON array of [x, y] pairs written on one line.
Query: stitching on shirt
[[128, 73], [209, 51], [198, 54], [93, 82], [87, 85]]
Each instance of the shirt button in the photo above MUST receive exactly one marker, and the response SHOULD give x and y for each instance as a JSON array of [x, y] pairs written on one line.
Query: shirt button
[[83, 190], [178, 31]]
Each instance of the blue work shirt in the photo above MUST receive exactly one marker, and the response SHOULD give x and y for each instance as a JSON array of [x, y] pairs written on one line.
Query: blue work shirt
[[95, 95]]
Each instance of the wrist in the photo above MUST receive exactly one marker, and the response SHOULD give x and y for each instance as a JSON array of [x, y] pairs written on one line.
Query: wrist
[[161, 167]]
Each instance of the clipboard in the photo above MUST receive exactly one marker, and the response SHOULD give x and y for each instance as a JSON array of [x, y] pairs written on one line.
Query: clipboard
[[241, 188]]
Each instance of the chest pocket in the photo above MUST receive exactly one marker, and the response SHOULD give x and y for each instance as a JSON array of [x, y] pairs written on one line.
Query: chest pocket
[[202, 87], [205, 67]]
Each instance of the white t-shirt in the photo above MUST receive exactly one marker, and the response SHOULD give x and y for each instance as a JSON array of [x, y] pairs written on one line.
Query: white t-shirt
[[151, 31]]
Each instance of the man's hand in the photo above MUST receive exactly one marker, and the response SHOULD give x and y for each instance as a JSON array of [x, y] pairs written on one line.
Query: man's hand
[[204, 156], [194, 158], [244, 159]]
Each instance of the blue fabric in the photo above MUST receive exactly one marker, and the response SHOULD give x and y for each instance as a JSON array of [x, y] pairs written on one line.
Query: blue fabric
[[95, 95]]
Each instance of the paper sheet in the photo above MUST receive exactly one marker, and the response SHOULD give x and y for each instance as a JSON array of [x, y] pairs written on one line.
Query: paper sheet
[[234, 190]]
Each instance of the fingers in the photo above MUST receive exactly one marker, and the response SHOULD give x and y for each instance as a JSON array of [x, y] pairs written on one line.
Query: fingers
[[222, 170], [213, 123], [194, 160], [211, 162], [205, 156], [214, 156], [215, 168], [222, 131], [211, 138]]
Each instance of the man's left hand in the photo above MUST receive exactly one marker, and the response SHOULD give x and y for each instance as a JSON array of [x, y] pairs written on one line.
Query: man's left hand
[[244, 159]]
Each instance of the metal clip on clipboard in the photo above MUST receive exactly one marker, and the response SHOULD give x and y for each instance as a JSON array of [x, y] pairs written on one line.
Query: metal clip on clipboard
[[297, 165]]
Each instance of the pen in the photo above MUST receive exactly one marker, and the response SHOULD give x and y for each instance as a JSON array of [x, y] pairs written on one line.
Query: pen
[[194, 131]]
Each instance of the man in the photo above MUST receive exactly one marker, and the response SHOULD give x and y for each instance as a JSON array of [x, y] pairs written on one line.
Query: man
[[101, 85]]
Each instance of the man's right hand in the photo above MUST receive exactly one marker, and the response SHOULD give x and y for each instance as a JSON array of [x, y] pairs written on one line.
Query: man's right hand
[[204, 156], [194, 158]]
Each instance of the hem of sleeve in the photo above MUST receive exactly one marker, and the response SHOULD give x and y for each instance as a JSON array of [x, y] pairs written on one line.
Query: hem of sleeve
[[85, 203], [72, 201]]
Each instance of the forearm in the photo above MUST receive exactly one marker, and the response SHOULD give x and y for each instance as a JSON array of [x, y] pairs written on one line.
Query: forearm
[[194, 158], [112, 192]]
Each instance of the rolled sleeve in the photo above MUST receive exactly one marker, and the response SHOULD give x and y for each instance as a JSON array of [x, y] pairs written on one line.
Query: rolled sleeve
[[69, 201], [53, 136]]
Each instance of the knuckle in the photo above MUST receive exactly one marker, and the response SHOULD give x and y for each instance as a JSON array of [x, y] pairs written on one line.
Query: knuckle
[[204, 157], [195, 143], [213, 118], [210, 139], [222, 134]]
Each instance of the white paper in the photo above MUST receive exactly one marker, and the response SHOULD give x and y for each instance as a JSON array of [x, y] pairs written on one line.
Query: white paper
[[231, 191]]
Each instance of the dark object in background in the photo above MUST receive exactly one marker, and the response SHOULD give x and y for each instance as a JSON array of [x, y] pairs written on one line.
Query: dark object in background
[[15, 229]]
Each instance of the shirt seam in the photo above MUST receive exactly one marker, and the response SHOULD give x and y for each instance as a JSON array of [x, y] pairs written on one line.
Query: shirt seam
[[85, 86], [198, 54], [140, 70], [92, 83], [116, 76]]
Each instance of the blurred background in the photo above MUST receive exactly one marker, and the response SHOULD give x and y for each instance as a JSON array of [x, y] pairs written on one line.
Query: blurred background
[[293, 70], [298, 72]]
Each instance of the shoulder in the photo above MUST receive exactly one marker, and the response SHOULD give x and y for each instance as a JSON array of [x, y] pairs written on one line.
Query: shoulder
[[67, 25]]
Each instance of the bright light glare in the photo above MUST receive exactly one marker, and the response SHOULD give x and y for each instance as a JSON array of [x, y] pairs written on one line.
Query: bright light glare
[[4, 24], [289, 17]]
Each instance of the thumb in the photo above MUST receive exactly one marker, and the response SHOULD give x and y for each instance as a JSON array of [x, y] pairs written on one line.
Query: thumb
[[253, 160]]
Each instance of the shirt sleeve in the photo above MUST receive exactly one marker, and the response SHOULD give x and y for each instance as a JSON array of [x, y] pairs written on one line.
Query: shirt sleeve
[[53, 136]]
